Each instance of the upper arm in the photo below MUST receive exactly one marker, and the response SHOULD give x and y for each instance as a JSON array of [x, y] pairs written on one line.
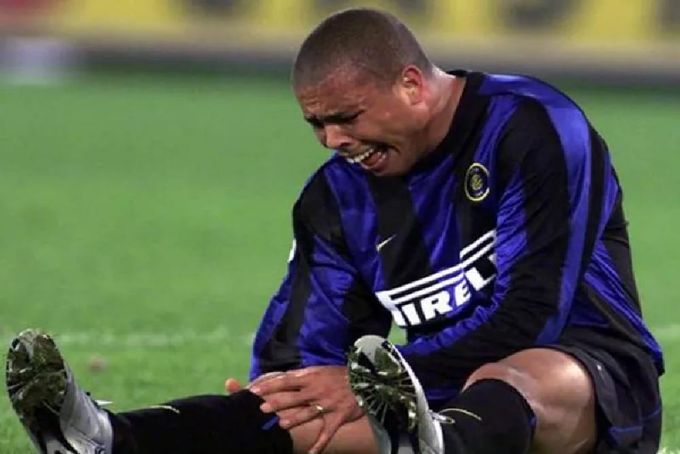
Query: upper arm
[[549, 215], [323, 305]]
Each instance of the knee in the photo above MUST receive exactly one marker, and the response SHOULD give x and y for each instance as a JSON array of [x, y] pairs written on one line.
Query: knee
[[565, 421], [523, 382], [500, 371]]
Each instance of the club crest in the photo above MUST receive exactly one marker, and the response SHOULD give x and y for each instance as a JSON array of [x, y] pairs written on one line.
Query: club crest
[[476, 182]]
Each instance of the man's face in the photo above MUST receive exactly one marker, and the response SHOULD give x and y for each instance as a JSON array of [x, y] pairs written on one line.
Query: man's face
[[379, 127]]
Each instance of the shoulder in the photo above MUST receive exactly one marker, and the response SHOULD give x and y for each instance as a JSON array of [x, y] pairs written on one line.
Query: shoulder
[[318, 192], [317, 207], [542, 110], [536, 106], [526, 87], [530, 142], [529, 126]]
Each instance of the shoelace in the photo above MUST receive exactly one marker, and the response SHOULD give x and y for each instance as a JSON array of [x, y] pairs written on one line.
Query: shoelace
[[443, 419]]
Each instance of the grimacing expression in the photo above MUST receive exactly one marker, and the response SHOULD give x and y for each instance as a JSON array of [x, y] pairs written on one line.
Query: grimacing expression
[[378, 127]]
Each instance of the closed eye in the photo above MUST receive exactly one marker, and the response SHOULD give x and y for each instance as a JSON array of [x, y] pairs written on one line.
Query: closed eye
[[315, 123], [334, 119], [345, 119]]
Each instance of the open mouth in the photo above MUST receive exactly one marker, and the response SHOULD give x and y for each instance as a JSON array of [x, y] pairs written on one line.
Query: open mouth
[[370, 158]]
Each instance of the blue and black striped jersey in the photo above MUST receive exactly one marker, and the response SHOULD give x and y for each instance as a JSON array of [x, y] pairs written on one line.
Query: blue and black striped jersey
[[502, 238]]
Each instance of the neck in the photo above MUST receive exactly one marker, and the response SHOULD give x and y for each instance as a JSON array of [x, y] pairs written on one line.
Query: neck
[[445, 100]]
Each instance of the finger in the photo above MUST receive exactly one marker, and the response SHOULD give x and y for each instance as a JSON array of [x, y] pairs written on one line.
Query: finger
[[329, 429], [232, 385], [284, 400], [280, 383], [264, 378], [302, 416]]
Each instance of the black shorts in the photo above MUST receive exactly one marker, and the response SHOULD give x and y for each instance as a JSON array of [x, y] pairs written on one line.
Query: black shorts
[[626, 389]]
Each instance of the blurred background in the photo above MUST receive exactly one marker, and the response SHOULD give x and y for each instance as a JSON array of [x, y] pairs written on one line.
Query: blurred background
[[150, 151], [622, 41]]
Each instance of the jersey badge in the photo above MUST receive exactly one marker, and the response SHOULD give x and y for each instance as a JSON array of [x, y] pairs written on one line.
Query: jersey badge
[[476, 182]]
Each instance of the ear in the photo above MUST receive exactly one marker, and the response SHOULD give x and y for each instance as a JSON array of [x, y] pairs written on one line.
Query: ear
[[411, 85]]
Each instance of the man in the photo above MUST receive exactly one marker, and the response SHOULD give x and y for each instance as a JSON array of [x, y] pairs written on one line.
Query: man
[[478, 212]]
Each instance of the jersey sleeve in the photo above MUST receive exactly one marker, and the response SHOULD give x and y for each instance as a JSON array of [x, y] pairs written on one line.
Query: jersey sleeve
[[322, 305], [547, 219]]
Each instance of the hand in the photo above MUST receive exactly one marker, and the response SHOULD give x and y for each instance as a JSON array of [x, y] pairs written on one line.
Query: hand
[[310, 390]]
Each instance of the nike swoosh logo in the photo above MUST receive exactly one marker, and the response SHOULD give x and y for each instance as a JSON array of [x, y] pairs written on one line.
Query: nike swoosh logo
[[165, 407], [460, 410], [383, 243]]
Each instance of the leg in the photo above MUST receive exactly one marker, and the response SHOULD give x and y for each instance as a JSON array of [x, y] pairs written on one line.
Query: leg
[[352, 438], [200, 424], [559, 391], [61, 418], [226, 424]]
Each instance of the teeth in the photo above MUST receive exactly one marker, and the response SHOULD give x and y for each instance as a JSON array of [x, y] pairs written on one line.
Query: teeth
[[362, 156]]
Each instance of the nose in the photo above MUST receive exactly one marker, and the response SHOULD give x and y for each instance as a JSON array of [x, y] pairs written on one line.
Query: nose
[[335, 137]]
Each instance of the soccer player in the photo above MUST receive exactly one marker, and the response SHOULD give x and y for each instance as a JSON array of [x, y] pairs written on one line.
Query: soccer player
[[478, 212]]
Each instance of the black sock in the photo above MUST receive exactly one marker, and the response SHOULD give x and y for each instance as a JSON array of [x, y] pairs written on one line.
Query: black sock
[[490, 417], [201, 425]]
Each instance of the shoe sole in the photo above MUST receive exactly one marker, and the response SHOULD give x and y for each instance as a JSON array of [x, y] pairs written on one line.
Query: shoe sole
[[382, 385], [384, 389], [36, 377]]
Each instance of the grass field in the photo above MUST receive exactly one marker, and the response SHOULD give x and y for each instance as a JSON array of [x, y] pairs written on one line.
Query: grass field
[[145, 222]]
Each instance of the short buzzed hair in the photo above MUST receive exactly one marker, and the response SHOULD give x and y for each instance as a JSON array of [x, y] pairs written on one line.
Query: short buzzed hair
[[373, 43]]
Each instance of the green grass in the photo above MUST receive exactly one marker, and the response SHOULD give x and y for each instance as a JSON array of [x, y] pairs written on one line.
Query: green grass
[[145, 222]]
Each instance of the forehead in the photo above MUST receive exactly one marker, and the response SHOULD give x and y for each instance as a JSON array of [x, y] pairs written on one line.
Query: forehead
[[338, 92]]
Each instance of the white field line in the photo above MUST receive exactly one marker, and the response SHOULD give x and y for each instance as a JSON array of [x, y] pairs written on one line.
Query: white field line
[[218, 335], [149, 339]]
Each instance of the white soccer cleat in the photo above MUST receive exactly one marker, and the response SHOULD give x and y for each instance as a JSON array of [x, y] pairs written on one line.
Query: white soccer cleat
[[390, 393], [59, 417]]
